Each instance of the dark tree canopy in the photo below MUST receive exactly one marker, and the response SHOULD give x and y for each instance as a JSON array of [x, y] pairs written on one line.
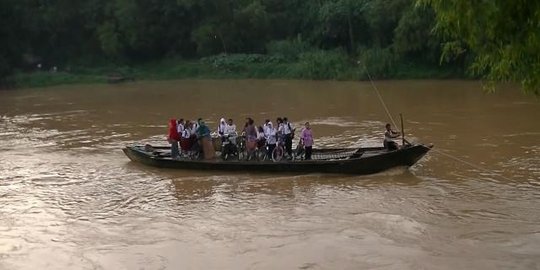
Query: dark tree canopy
[[502, 37]]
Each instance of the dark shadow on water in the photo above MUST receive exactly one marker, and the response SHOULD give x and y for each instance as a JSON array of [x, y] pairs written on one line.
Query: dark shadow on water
[[199, 185]]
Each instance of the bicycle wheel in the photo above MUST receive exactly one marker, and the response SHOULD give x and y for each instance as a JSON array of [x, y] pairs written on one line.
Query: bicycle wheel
[[298, 154], [260, 154], [278, 153]]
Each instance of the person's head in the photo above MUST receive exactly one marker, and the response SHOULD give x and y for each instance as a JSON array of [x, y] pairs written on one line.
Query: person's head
[[285, 119], [230, 121], [250, 121], [172, 122], [270, 125], [181, 121], [222, 121], [388, 126], [307, 125], [266, 121], [200, 121], [279, 120]]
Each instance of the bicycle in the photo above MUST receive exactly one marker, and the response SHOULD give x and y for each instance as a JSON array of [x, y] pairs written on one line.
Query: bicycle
[[279, 151], [229, 146], [299, 152], [241, 142], [261, 151]]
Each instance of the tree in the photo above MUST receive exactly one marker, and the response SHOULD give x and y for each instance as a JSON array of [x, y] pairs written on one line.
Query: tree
[[343, 22], [413, 35], [504, 37]]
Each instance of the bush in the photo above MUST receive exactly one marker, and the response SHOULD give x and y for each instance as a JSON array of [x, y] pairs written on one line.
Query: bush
[[236, 62], [288, 49], [321, 65], [380, 62]]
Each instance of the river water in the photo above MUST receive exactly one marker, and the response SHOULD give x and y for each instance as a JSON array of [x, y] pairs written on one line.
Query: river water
[[70, 199]]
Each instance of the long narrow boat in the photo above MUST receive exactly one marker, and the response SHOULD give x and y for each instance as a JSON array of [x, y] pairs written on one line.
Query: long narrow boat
[[344, 161]]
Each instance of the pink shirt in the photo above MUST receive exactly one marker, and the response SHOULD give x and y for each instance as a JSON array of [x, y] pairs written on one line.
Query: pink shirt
[[307, 137]]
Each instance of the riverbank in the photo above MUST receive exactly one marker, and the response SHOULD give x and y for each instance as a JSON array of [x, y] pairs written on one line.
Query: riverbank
[[242, 66]]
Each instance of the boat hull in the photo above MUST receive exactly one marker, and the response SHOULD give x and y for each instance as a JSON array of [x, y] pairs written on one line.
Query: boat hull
[[372, 160]]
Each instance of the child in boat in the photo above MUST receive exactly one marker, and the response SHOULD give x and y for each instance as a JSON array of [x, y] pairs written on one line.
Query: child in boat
[[230, 128], [221, 128], [288, 134], [180, 126], [306, 138], [270, 136], [389, 136], [173, 138], [185, 141], [261, 141], [251, 136]]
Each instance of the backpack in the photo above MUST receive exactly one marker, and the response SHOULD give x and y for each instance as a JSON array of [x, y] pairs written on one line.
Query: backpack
[[292, 130]]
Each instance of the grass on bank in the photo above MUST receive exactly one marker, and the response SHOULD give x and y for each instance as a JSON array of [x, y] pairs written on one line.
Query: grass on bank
[[313, 65]]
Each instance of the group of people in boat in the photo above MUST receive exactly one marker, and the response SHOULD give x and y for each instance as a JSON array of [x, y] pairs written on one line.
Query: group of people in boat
[[189, 137], [194, 137]]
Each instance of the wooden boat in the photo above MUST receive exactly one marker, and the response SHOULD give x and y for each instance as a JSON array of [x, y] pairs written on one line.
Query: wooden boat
[[343, 161]]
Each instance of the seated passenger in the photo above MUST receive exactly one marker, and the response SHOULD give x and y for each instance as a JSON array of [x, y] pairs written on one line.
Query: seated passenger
[[389, 136]]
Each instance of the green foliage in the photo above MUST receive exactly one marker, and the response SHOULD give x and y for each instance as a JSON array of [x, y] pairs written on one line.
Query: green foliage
[[504, 37], [344, 21], [321, 65], [237, 62], [42, 79], [288, 49], [249, 38], [378, 62], [209, 40], [382, 17], [109, 39], [414, 37]]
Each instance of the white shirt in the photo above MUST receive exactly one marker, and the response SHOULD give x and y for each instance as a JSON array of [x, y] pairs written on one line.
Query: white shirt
[[230, 129], [186, 133], [194, 128], [287, 128], [270, 135], [260, 135], [180, 128], [389, 136], [221, 127]]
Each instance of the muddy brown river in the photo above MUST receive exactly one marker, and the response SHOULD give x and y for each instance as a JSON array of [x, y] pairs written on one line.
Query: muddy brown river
[[70, 199]]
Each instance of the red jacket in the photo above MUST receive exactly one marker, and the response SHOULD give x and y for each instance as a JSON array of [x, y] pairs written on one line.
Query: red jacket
[[173, 131]]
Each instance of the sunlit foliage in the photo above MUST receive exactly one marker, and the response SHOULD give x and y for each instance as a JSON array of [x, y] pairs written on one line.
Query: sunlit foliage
[[503, 37]]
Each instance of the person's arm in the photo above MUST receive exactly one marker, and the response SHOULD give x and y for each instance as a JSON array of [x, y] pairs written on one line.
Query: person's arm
[[302, 136]]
